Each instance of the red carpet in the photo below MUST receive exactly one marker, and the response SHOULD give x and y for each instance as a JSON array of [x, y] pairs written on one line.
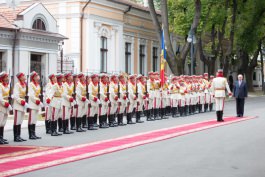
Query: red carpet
[[35, 161], [7, 151]]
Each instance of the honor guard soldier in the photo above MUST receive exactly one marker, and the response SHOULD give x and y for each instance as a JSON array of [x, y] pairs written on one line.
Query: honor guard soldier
[[142, 97], [182, 98], [54, 100], [123, 99], [174, 96], [151, 91], [34, 104], [206, 91], [93, 110], [5, 107], [219, 85], [132, 94], [74, 107], [158, 96], [20, 105], [82, 103], [104, 99], [67, 101], [192, 95], [200, 92], [48, 111], [114, 99], [164, 99], [211, 93]]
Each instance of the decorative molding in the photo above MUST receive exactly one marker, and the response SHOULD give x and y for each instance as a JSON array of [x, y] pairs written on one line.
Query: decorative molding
[[104, 31], [38, 39], [128, 38], [6, 35], [142, 41]]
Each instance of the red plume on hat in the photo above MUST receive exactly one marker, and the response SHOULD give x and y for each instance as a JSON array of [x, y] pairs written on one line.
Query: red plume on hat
[[19, 75]]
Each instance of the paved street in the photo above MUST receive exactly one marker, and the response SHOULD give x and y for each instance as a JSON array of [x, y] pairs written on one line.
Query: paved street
[[234, 150]]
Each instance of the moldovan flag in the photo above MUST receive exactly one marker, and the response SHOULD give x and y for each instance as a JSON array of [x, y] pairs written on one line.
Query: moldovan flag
[[162, 60]]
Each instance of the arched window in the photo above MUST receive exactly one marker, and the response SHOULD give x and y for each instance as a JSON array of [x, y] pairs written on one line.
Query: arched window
[[39, 25], [104, 54]]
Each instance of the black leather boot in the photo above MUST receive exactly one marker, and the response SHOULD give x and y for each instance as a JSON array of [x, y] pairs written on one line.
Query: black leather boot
[[15, 131], [148, 117], [84, 122], [2, 140], [54, 129], [221, 116], [34, 131], [102, 123], [138, 117], [120, 120], [73, 123], [78, 125], [48, 126], [66, 127], [60, 124], [111, 120], [95, 121], [19, 133], [211, 106], [129, 118], [205, 107], [90, 124]]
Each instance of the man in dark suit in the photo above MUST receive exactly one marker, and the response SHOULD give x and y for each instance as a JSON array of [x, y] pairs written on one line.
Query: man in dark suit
[[240, 93]]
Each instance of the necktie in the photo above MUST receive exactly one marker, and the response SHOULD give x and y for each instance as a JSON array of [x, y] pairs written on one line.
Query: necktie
[[239, 83]]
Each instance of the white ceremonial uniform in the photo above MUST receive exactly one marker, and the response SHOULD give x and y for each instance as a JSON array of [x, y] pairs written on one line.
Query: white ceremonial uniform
[[82, 102], [124, 102], [174, 95], [4, 93], [165, 96], [113, 89], [151, 91], [34, 93], [132, 97], [48, 109], [104, 110], [206, 91], [93, 93], [219, 85], [66, 104], [142, 99], [55, 95], [19, 110]]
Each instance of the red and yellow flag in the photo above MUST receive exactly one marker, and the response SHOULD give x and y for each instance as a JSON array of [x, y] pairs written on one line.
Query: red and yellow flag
[[162, 60]]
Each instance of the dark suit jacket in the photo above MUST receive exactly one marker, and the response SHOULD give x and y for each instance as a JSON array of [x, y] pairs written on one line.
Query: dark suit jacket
[[240, 91]]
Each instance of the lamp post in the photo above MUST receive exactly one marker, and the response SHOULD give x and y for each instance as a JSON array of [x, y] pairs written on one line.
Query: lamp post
[[61, 54], [192, 40]]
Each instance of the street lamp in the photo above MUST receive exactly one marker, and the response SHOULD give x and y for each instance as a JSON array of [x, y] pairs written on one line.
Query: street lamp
[[192, 40], [61, 54]]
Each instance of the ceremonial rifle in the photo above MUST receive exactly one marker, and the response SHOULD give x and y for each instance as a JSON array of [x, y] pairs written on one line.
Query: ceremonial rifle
[[27, 90], [10, 93], [41, 92], [146, 91], [100, 105], [108, 94], [87, 93], [74, 92], [127, 92]]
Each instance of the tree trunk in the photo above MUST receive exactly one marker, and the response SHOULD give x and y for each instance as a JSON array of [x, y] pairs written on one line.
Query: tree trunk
[[262, 69], [155, 19]]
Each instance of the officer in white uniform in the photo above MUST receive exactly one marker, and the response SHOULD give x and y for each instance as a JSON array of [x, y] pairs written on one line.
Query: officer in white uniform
[[19, 105], [219, 85], [4, 104], [34, 104]]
